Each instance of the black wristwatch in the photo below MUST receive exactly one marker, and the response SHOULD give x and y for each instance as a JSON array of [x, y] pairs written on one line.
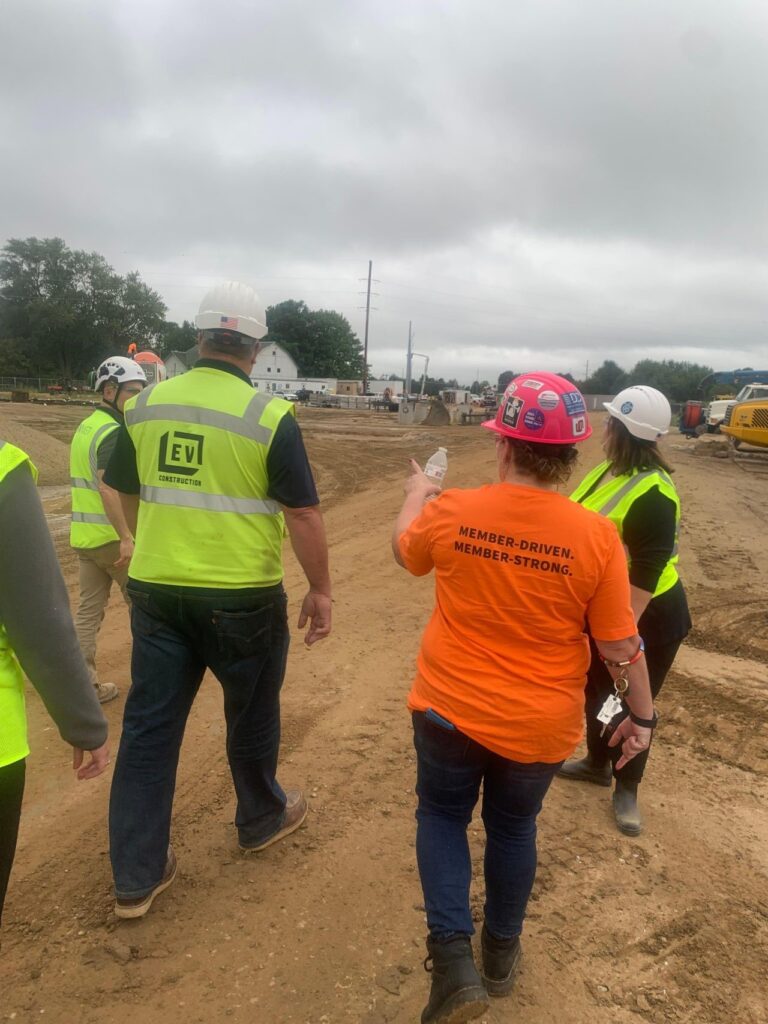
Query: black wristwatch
[[645, 723]]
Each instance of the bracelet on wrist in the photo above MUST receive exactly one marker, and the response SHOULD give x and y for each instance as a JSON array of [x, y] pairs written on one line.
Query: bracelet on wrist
[[631, 661], [644, 723]]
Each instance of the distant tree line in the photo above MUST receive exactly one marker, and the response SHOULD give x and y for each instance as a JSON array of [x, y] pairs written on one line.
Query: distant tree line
[[679, 381], [62, 311]]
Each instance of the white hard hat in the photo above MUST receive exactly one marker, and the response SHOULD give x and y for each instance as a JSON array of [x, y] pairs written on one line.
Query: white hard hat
[[118, 370], [644, 411], [232, 307]]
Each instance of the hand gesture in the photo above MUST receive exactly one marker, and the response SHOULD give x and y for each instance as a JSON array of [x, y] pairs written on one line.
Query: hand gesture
[[419, 483], [634, 739]]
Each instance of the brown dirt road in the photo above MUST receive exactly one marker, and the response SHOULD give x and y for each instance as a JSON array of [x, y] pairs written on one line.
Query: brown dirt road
[[328, 926]]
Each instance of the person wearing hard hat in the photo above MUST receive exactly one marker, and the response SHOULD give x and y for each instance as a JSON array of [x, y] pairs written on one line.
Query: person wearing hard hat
[[498, 697], [633, 489], [210, 473], [99, 533], [34, 605]]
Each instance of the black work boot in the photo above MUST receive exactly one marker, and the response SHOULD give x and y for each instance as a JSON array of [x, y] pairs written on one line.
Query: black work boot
[[457, 993], [588, 769], [625, 808], [501, 959]]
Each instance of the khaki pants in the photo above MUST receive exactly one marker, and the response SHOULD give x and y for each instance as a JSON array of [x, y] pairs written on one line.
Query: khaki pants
[[97, 571]]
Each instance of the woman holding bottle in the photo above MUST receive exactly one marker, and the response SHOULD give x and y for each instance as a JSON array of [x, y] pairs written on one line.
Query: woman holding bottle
[[498, 697]]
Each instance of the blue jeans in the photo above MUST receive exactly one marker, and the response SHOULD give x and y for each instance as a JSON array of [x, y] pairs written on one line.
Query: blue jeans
[[177, 634], [450, 768]]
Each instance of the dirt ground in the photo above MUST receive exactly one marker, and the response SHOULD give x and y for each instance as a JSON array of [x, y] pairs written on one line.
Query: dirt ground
[[328, 927]]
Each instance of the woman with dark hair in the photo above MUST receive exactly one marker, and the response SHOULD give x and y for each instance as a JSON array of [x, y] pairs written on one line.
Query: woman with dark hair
[[632, 487], [498, 697]]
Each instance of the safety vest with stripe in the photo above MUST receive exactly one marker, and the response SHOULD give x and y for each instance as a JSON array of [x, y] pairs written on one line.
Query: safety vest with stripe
[[614, 498], [205, 519], [13, 721], [90, 526]]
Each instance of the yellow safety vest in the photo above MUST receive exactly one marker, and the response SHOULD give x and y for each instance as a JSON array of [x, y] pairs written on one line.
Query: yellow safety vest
[[614, 498], [90, 526], [13, 720], [205, 519]]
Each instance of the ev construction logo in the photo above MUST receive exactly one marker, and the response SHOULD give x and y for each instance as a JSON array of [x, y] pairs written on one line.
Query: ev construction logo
[[181, 454]]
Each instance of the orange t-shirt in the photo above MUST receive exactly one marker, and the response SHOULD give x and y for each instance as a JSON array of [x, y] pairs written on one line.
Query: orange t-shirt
[[519, 572]]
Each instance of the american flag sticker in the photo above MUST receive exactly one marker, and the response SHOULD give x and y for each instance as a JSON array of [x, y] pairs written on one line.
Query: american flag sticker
[[229, 323]]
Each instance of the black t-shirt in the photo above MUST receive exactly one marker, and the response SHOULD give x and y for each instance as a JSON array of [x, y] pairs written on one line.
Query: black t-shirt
[[290, 476]]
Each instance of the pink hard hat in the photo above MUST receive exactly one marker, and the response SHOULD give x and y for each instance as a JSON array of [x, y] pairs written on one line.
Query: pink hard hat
[[544, 408]]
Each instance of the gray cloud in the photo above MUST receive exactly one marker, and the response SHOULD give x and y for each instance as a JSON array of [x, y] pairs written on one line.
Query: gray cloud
[[534, 181]]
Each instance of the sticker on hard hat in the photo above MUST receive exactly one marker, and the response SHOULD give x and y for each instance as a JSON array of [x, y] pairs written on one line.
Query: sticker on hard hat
[[511, 413], [627, 407], [535, 384], [579, 426], [548, 399], [534, 419], [511, 389], [229, 323], [574, 403]]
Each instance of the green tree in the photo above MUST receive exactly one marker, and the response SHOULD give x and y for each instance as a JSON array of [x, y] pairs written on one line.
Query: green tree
[[505, 379], [69, 308], [15, 359], [173, 337], [321, 341], [679, 381], [606, 380]]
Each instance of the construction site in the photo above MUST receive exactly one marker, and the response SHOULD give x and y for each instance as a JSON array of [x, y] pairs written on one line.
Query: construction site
[[328, 927]]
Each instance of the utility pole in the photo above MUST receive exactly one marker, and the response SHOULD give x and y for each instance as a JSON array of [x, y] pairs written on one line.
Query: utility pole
[[367, 318], [586, 372], [408, 361]]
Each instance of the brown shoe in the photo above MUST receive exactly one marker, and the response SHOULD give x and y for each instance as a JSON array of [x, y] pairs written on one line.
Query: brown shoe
[[137, 908], [295, 813], [105, 692]]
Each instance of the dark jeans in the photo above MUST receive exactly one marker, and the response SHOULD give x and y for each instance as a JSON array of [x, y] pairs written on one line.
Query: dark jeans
[[658, 658], [450, 768], [11, 794], [177, 634]]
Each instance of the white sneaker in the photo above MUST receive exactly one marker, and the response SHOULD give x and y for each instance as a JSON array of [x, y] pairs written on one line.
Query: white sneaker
[[106, 692]]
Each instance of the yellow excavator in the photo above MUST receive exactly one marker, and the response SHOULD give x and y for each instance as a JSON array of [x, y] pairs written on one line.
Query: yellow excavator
[[747, 422]]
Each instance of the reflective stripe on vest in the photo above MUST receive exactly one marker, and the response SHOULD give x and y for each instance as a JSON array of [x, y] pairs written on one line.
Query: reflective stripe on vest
[[90, 527], [13, 722], [205, 517], [614, 498], [209, 502]]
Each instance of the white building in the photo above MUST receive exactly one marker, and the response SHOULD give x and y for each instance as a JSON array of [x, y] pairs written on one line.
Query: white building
[[274, 371]]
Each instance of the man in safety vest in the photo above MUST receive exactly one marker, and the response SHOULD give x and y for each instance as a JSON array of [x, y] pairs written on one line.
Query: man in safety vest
[[36, 635], [210, 473], [99, 533]]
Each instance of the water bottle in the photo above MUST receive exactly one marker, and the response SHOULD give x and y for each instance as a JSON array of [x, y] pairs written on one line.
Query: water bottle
[[437, 466]]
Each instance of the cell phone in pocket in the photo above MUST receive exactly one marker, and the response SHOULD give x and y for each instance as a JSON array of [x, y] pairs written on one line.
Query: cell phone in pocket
[[438, 720]]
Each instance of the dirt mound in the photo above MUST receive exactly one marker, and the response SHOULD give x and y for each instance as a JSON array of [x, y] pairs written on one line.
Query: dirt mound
[[49, 453]]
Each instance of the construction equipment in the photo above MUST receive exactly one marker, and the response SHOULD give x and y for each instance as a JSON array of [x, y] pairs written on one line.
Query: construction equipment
[[747, 422], [718, 409], [697, 418]]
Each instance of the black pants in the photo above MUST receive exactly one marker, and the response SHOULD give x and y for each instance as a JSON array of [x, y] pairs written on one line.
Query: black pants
[[11, 793], [659, 660]]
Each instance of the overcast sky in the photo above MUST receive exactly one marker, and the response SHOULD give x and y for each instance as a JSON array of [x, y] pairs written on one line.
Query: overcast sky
[[539, 183]]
